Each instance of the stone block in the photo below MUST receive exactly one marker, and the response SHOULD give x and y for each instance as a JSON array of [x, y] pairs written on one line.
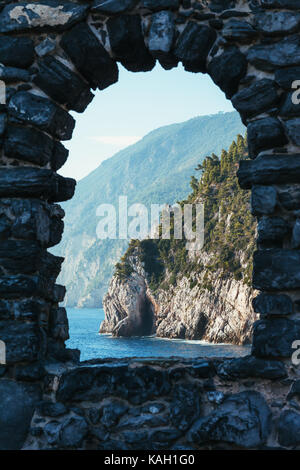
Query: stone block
[[274, 337], [31, 219], [272, 304], [3, 121], [62, 85], [52, 432], [34, 182], [263, 200], [218, 6], [50, 266], [40, 16], [90, 57], [59, 324], [289, 197], [243, 419], [127, 43], [73, 431], [136, 385], [276, 23], [16, 51], [45, 47], [202, 369], [272, 229], [269, 169], [228, 69], [59, 293], [285, 77], [30, 373], [30, 309], [256, 98], [48, 408], [185, 406], [59, 156], [290, 4], [265, 134], [42, 113], [29, 144], [237, 30], [20, 256], [112, 411], [296, 234], [111, 7], [292, 127], [250, 366], [18, 286], [268, 57], [193, 46], [276, 269], [16, 411], [14, 74], [289, 428], [5, 227], [155, 5], [294, 390], [289, 109], [161, 37], [22, 341]]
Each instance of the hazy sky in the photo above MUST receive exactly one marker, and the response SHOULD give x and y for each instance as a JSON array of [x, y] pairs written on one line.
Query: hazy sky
[[137, 104]]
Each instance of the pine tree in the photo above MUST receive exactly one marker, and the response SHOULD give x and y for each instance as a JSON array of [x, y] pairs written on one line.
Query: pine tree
[[229, 227]]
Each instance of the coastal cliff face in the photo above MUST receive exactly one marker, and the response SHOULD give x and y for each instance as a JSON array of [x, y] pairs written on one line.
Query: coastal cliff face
[[223, 315], [220, 312], [89, 261], [194, 295], [128, 308]]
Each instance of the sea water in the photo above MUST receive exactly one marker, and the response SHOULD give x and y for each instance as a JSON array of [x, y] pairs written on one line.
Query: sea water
[[84, 335]]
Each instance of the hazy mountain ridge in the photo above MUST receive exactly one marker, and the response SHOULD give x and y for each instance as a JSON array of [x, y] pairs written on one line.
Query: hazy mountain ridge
[[161, 287], [156, 169]]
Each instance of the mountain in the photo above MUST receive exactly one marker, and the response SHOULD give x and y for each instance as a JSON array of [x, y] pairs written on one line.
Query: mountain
[[161, 287], [154, 170]]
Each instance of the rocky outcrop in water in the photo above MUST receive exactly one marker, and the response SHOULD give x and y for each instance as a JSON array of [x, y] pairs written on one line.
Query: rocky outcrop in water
[[128, 308], [220, 312], [179, 293]]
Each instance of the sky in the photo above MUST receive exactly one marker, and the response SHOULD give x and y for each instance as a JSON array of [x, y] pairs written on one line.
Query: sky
[[128, 110]]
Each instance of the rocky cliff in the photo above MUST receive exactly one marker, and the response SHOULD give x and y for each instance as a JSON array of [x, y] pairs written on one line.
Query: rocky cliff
[[221, 312], [129, 308], [161, 287], [169, 154]]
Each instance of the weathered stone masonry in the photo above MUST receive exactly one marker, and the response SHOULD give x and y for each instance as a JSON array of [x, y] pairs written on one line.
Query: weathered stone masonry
[[52, 53]]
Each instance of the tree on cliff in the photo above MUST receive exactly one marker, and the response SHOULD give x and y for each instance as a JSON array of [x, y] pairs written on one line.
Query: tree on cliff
[[229, 227]]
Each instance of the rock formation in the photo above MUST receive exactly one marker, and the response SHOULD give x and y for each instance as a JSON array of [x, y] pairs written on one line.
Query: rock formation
[[89, 262], [128, 308], [222, 314], [210, 301]]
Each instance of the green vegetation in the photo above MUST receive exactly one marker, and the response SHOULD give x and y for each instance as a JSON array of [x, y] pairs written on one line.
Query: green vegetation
[[229, 228], [157, 170]]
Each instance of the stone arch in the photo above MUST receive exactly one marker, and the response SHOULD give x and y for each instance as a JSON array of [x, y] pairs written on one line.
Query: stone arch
[[53, 53]]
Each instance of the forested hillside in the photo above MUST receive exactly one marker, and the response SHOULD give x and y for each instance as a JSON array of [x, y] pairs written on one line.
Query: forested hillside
[[155, 170], [194, 295]]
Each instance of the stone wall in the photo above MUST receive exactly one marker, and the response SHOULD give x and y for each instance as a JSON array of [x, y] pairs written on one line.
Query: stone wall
[[52, 54], [175, 404]]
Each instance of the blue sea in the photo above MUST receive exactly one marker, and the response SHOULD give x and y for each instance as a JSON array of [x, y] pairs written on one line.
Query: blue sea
[[84, 335]]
